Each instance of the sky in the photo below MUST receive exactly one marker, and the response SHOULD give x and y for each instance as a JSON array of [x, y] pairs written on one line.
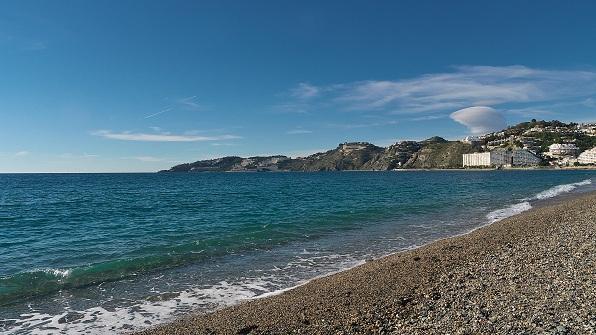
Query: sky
[[132, 86]]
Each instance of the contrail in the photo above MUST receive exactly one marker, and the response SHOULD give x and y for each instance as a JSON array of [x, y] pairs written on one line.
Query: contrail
[[160, 112]]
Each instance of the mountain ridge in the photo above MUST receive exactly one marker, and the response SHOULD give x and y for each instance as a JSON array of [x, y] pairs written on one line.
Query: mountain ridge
[[431, 153]]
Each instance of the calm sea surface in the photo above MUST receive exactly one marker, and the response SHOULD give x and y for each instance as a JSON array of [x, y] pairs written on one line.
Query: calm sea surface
[[111, 252]]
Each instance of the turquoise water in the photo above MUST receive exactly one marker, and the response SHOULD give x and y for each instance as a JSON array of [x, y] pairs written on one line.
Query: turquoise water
[[106, 252]]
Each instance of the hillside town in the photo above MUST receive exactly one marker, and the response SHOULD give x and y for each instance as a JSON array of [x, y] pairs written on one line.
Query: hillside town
[[535, 143]]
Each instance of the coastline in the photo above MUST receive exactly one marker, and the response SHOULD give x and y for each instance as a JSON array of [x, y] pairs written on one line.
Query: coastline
[[517, 168], [488, 280]]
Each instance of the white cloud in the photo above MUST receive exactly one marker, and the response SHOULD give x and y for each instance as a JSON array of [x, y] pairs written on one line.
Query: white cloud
[[22, 153], [589, 102], [68, 155], [145, 158], [189, 103], [305, 91], [363, 125], [162, 137], [479, 119], [158, 113], [531, 112], [298, 131], [428, 118], [291, 108], [465, 86], [36, 46], [217, 144]]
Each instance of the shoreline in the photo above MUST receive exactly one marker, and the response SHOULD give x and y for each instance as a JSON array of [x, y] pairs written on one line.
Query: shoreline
[[315, 306], [530, 168]]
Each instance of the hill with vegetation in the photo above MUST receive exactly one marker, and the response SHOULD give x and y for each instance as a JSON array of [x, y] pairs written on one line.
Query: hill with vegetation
[[544, 133], [433, 153], [447, 155]]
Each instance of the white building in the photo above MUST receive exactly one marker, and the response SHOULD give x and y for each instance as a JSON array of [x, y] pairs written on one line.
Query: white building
[[516, 157], [525, 158], [499, 142], [562, 149], [587, 157], [587, 128], [471, 139], [477, 159]]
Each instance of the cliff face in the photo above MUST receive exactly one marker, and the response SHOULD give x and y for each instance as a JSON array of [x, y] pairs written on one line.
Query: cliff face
[[231, 163], [347, 156], [433, 153], [393, 157]]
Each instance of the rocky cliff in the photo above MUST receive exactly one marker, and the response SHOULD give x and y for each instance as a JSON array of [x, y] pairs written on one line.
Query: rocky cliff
[[347, 156], [440, 155]]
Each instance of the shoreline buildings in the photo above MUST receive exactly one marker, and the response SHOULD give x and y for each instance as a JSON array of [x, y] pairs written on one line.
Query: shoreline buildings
[[501, 157], [562, 149], [587, 157]]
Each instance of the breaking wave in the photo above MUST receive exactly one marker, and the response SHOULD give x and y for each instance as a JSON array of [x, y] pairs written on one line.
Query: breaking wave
[[560, 189], [503, 213]]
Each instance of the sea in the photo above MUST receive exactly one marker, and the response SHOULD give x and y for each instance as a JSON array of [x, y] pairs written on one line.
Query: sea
[[105, 253]]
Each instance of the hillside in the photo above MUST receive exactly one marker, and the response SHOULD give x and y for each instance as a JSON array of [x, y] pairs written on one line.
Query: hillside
[[435, 152], [231, 163], [446, 155], [395, 156], [432, 153], [347, 156]]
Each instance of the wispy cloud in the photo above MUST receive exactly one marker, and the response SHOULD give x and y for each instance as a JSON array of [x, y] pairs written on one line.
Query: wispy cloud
[[36, 46], [363, 125], [161, 137], [22, 153], [463, 87], [158, 113], [68, 155], [292, 108], [589, 102], [145, 158], [530, 112], [298, 131], [189, 103], [152, 159], [305, 91], [428, 118], [225, 144]]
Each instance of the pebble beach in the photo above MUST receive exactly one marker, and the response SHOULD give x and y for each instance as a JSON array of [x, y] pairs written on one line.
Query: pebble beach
[[533, 273]]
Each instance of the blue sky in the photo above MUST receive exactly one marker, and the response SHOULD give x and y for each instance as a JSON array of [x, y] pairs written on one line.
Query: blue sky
[[141, 86]]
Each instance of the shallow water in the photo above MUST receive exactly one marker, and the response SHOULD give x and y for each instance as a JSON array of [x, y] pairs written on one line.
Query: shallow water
[[99, 252]]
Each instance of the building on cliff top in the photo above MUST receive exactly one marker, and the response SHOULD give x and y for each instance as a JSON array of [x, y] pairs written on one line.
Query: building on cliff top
[[562, 149]]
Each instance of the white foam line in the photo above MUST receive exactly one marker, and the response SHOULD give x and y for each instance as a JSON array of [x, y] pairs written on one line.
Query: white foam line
[[503, 213], [559, 189]]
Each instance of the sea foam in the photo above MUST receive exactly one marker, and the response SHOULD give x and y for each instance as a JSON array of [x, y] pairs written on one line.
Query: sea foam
[[560, 189], [524, 205], [503, 213]]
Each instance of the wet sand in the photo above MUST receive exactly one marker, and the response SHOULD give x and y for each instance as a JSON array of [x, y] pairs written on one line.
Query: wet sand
[[534, 273]]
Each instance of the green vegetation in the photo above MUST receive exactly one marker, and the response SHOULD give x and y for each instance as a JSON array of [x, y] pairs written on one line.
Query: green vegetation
[[446, 155]]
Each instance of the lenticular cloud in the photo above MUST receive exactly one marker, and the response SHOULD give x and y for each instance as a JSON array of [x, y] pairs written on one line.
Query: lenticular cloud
[[479, 119]]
